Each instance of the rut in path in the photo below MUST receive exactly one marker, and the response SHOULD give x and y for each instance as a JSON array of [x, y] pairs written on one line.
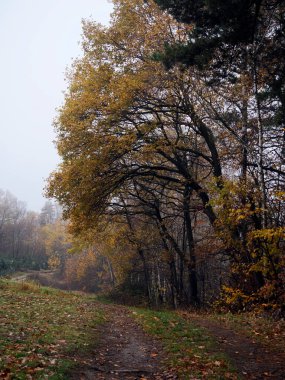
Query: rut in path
[[125, 351], [252, 360]]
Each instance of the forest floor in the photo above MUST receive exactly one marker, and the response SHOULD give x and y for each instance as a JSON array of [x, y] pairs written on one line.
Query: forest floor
[[54, 334]]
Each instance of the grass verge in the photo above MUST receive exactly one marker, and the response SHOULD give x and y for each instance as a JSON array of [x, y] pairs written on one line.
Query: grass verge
[[191, 352], [44, 332]]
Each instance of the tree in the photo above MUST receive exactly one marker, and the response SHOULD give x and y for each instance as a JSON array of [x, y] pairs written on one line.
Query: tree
[[57, 242], [20, 243], [143, 145]]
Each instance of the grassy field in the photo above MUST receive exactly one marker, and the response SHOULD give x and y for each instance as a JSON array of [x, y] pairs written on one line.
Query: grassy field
[[44, 332]]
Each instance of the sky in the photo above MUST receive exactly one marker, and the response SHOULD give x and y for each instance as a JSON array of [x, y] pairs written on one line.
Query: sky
[[38, 39]]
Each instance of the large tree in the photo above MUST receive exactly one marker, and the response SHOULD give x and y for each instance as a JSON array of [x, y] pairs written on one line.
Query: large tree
[[152, 145]]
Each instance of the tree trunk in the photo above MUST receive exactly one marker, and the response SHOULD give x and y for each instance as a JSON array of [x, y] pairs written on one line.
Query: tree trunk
[[146, 274], [193, 285]]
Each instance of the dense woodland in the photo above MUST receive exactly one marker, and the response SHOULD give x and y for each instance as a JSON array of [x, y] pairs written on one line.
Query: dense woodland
[[172, 139]]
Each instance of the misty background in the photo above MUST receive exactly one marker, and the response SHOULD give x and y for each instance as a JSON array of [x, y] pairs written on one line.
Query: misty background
[[38, 40]]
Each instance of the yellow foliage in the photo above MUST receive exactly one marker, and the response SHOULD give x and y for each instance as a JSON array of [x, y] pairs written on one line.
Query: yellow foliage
[[57, 242]]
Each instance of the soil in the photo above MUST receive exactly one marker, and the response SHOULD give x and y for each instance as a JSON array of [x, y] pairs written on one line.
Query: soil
[[125, 351], [252, 360]]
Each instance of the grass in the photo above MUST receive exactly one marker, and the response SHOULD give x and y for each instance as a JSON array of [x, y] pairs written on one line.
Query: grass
[[44, 332], [264, 329], [191, 352]]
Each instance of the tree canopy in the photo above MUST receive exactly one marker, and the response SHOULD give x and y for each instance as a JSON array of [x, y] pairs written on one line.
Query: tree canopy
[[192, 169]]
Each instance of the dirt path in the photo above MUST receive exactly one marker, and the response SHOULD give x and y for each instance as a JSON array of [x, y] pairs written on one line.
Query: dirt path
[[252, 360], [125, 351], [32, 275]]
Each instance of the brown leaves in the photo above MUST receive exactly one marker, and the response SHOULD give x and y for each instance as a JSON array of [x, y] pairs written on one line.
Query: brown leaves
[[6, 374], [38, 328]]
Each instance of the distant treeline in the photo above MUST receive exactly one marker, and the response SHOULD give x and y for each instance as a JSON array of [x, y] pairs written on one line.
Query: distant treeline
[[22, 234]]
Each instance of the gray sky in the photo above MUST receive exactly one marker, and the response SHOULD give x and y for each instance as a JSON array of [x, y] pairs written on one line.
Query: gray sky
[[38, 40]]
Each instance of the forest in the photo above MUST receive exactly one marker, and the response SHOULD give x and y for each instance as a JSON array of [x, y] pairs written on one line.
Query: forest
[[165, 224], [170, 189], [35, 242], [29, 240], [172, 144]]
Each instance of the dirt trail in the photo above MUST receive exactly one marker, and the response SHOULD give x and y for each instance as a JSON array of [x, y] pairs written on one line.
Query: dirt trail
[[124, 352], [252, 360], [30, 275], [127, 352]]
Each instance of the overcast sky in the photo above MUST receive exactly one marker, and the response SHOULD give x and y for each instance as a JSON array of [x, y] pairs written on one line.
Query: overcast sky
[[38, 40]]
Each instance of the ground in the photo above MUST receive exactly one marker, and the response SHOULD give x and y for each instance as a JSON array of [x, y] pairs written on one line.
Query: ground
[[252, 359], [124, 343], [125, 351]]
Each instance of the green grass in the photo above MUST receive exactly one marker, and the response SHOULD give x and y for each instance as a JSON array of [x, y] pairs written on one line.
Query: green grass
[[44, 332], [191, 352]]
